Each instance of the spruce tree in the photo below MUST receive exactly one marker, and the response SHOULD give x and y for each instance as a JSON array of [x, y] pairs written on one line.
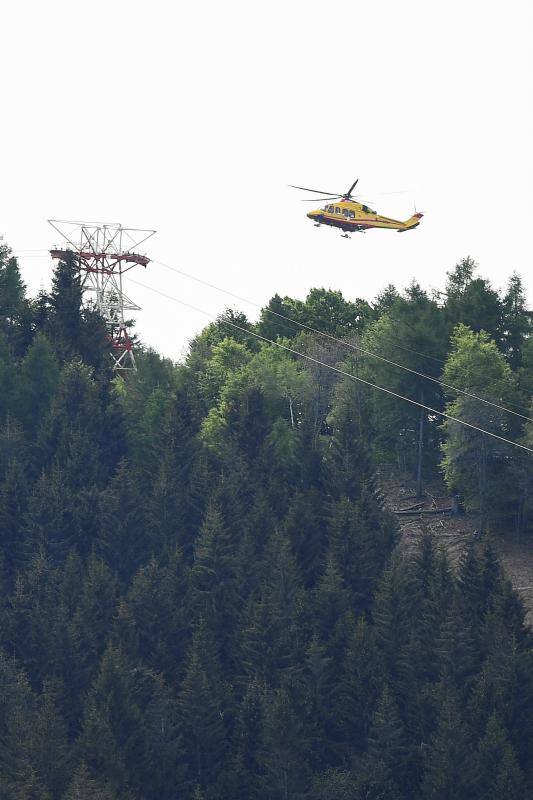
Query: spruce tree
[[283, 753], [451, 766], [92, 621], [517, 323], [472, 301], [36, 384], [85, 786], [202, 704], [13, 504], [498, 766], [358, 686], [65, 302], [152, 622], [385, 762], [123, 530], [15, 316], [214, 581], [7, 376], [112, 738]]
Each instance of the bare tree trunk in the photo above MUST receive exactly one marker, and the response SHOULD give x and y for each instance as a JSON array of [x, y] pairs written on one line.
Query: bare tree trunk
[[420, 454], [482, 484]]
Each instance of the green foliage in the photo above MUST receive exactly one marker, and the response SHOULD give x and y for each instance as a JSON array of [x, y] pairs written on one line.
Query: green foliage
[[269, 386], [474, 463], [15, 314], [472, 301], [7, 376], [401, 432], [201, 709], [324, 310], [200, 593], [518, 324], [36, 384], [450, 768], [65, 301]]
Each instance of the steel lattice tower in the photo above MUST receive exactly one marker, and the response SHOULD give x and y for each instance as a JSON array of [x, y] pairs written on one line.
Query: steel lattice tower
[[104, 253]]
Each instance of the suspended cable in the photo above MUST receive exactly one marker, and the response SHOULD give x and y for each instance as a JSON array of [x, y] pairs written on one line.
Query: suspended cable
[[344, 343], [237, 297], [335, 369]]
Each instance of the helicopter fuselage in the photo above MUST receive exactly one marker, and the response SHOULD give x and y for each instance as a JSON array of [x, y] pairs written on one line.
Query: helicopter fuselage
[[351, 216]]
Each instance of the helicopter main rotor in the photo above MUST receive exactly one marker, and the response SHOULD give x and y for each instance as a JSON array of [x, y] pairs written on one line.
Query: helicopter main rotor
[[337, 195], [330, 195]]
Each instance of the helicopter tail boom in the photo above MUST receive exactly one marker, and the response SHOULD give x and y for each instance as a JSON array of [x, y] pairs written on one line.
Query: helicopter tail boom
[[411, 223]]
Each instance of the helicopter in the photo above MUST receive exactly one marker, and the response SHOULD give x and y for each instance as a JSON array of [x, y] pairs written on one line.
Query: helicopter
[[345, 212]]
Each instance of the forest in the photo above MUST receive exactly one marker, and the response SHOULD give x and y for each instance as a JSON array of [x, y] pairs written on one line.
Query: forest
[[201, 593]]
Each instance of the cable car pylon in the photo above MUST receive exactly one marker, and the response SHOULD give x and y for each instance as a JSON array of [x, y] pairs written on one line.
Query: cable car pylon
[[104, 252]]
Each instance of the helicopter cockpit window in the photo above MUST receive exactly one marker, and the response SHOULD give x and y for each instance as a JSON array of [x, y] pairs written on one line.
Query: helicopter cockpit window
[[352, 214], [345, 213], [365, 209], [337, 210]]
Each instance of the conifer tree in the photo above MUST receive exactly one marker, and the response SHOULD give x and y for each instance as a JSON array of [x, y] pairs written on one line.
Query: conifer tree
[[65, 302], [152, 623], [472, 301], [214, 581], [517, 324], [36, 383], [498, 766], [510, 782], [58, 518], [304, 525], [7, 375], [13, 504], [458, 648], [330, 601], [70, 434], [451, 768], [161, 773], [30, 626], [33, 746], [359, 685], [245, 768], [272, 639], [123, 535], [85, 786], [201, 704], [92, 621], [385, 762], [391, 616], [112, 738], [317, 694], [48, 741], [15, 317], [283, 750]]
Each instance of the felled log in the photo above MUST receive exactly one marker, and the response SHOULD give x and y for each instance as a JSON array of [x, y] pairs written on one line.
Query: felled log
[[411, 508], [425, 513]]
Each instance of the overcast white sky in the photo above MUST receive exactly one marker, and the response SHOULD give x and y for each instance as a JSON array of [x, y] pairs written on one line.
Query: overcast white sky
[[192, 118]]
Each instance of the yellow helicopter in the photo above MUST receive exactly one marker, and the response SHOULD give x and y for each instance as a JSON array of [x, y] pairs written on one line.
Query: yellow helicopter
[[345, 212]]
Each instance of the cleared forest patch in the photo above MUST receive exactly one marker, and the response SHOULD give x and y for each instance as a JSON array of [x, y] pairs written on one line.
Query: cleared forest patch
[[454, 532]]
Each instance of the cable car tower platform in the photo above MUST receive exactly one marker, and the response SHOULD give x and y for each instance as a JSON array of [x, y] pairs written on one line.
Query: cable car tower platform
[[104, 252]]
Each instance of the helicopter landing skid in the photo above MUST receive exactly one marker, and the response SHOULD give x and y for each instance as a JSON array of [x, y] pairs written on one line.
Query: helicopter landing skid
[[345, 236], [318, 225]]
